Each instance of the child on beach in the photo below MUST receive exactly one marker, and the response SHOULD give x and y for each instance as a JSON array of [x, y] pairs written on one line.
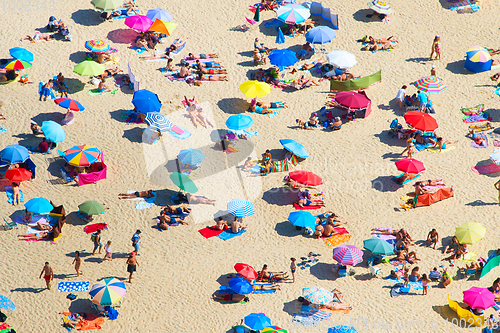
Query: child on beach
[[425, 282], [436, 48], [406, 277], [107, 251], [293, 268], [433, 70], [77, 261]]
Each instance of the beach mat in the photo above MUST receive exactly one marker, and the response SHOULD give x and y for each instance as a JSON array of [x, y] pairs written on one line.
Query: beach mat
[[336, 240], [228, 234], [95, 92], [94, 227], [2, 129], [72, 286], [10, 195], [34, 221], [40, 86], [296, 206], [339, 230], [469, 256], [179, 49], [486, 169], [416, 285], [483, 145], [209, 232], [179, 133], [123, 14]]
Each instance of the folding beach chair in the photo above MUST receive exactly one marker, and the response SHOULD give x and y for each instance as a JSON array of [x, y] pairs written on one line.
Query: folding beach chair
[[9, 225]]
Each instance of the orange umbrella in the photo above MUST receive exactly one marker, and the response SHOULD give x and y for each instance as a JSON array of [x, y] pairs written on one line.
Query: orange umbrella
[[163, 27]]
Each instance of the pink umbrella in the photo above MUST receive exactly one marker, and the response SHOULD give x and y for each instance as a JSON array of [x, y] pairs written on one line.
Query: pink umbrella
[[138, 22], [352, 100], [479, 298], [348, 255]]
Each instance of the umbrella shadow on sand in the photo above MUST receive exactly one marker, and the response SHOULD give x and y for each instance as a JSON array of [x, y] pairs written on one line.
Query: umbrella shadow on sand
[[81, 305], [385, 184], [74, 85], [134, 135], [484, 163], [27, 140], [271, 31], [292, 307], [287, 229], [86, 17], [446, 313], [280, 196], [323, 271], [122, 36], [233, 105], [360, 15], [457, 67], [223, 280], [78, 56]]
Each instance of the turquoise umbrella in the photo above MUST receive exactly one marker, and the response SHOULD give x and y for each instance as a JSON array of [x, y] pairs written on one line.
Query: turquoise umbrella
[[39, 206], [239, 122], [492, 263], [53, 131], [378, 246], [302, 219]]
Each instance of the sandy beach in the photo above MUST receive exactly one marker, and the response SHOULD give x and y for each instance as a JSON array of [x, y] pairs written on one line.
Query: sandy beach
[[179, 270]]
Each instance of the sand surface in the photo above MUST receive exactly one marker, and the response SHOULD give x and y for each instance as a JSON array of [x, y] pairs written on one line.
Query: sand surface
[[179, 269]]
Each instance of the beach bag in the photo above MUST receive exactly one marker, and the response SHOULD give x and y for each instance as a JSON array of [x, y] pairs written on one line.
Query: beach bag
[[95, 81], [93, 237]]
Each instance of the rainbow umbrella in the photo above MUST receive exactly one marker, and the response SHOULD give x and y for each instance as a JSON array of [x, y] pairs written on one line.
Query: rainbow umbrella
[[18, 64], [254, 89], [82, 156], [273, 329], [163, 27], [380, 7], [96, 45], [430, 84], [478, 59], [138, 22], [293, 13], [108, 291], [69, 104]]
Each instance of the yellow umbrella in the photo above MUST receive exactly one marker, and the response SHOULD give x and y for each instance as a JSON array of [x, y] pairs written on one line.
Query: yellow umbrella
[[470, 233], [255, 89], [163, 27]]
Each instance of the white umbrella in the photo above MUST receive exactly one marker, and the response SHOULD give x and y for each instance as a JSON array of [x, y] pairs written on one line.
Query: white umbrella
[[341, 59], [380, 7]]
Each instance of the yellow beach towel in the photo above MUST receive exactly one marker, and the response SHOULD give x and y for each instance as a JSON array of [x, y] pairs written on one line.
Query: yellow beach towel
[[336, 240]]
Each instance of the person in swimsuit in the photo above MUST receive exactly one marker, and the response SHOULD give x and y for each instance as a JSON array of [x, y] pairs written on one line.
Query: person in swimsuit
[[202, 118], [192, 56], [138, 194], [43, 227], [176, 45], [142, 43], [193, 199], [102, 58], [436, 48], [78, 262], [176, 211], [233, 298], [48, 274], [441, 144], [110, 72], [202, 77], [293, 268], [102, 87], [46, 90], [273, 286], [131, 265], [264, 274], [337, 124], [237, 226], [221, 223], [166, 55], [447, 279], [38, 37]]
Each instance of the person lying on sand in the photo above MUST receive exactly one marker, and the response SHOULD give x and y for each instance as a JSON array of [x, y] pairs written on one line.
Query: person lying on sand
[[176, 45], [192, 56], [338, 306], [34, 236], [342, 77], [166, 220], [303, 80], [401, 179], [176, 211], [38, 37], [384, 231], [373, 41], [110, 72], [43, 227], [194, 199], [202, 77], [376, 47], [304, 124], [262, 287], [233, 298], [137, 194], [265, 274], [307, 202], [165, 55], [204, 70], [259, 109], [9, 76]]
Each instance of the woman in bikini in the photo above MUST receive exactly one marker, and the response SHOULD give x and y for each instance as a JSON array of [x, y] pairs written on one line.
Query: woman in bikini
[[202, 77], [142, 43], [137, 194], [102, 87], [385, 231], [442, 144], [166, 55], [176, 45], [110, 72], [192, 56], [233, 298], [272, 105], [38, 37], [202, 118], [262, 287]]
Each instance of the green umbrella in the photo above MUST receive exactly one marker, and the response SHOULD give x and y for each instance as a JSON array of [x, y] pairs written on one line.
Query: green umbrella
[[492, 263], [91, 207], [183, 182], [107, 5], [89, 68]]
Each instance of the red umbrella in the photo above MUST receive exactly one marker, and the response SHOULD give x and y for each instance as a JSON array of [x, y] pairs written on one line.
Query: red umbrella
[[306, 178], [246, 271], [410, 165], [352, 100], [421, 121], [18, 174]]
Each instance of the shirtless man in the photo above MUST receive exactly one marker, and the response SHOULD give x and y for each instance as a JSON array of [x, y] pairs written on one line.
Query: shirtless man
[[185, 71], [221, 223], [236, 226], [46, 90], [265, 274], [39, 37], [273, 286], [202, 77], [176, 211], [192, 56], [48, 274], [303, 80], [137, 194], [384, 231], [204, 70], [432, 237], [110, 72], [329, 229], [166, 220]]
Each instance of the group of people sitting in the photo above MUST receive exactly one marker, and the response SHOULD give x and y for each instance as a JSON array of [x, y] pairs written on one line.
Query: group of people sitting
[[331, 221], [306, 199]]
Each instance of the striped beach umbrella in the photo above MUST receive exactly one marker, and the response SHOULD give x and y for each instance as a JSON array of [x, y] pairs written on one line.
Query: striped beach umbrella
[[478, 59], [430, 84], [138, 22], [380, 7], [240, 208], [69, 104], [82, 156], [53, 131], [191, 156], [158, 122], [273, 329], [348, 255], [255, 89], [317, 295], [293, 13], [108, 291], [96, 45], [163, 27], [39, 206], [18, 64]]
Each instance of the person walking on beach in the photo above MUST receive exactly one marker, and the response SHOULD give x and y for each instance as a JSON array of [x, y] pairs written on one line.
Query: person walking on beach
[[48, 274], [78, 262], [136, 239], [293, 268], [96, 238], [107, 251], [436, 48], [131, 265]]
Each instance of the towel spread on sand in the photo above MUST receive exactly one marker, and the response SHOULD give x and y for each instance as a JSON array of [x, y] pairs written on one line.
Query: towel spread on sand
[[416, 285], [482, 145], [2, 129], [34, 221], [486, 169], [141, 199], [95, 92], [436, 149], [94, 227], [469, 256], [338, 230], [10, 195], [336, 240], [310, 207], [72, 286], [210, 232], [92, 322], [228, 234]]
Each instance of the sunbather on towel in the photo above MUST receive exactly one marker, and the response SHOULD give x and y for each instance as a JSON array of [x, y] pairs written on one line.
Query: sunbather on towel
[[373, 41], [329, 229], [204, 70], [400, 180], [176, 211], [442, 144], [307, 202], [34, 236], [262, 287], [194, 199], [338, 306], [176, 45], [192, 56], [221, 223], [265, 274], [166, 220], [43, 227], [233, 298], [103, 87], [137, 194], [376, 47], [304, 124], [165, 55], [73, 319], [38, 37], [303, 80], [202, 77], [110, 72]]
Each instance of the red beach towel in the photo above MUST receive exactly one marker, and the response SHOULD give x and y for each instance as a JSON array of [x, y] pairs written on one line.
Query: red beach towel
[[94, 227], [311, 207], [210, 232]]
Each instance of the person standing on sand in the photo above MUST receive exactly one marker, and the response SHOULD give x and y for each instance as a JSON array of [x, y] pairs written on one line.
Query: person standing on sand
[[136, 239], [77, 261], [96, 238], [293, 268], [48, 274], [131, 265], [436, 48], [497, 186], [401, 96], [107, 250], [16, 196], [433, 71]]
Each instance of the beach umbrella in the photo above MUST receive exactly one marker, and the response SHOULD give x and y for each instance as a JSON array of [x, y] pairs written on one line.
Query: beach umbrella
[[240, 286], [421, 121], [108, 291], [39, 206], [492, 263], [138, 22], [96, 45], [341, 59], [410, 165], [280, 38], [352, 100], [479, 298], [302, 219], [18, 64], [14, 154], [239, 122], [158, 13], [163, 27], [495, 156], [282, 58], [342, 329], [53, 131], [273, 329], [158, 122], [380, 7], [293, 13], [6, 304], [306, 178], [347, 255], [317, 295], [320, 35], [430, 84], [191, 156], [257, 321], [107, 5], [18, 174], [470, 233], [246, 271], [82, 156], [21, 54], [255, 89], [256, 15], [91, 207], [89, 68], [294, 147], [240, 208], [69, 104], [478, 59], [146, 101], [378, 246], [183, 182]]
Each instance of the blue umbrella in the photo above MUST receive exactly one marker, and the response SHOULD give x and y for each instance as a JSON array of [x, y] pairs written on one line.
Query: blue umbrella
[[158, 13], [146, 101], [302, 219], [320, 35], [240, 286], [257, 321], [283, 58], [294, 147], [240, 208], [14, 154], [158, 122], [342, 329], [6, 304], [53, 131], [191, 156], [39, 206], [239, 122], [21, 54], [280, 38]]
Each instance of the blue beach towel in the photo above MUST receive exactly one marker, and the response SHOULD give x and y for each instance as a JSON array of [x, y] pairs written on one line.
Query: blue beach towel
[[64, 287], [420, 147], [40, 86], [228, 234], [416, 285], [6, 304], [139, 50], [10, 194], [123, 14], [2, 129], [179, 49], [275, 113]]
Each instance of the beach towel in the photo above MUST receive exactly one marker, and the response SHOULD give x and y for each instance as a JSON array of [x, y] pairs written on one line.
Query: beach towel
[[123, 14], [416, 285], [209, 232], [179, 49], [189, 60], [228, 234], [63, 287], [420, 146], [497, 91], [94, 227], [243, 133], [339, 230], [95, 92], [336, 240], [3, 326], [306, 320], [91, 322], [179, 132], [10, 195], [138, 198], [310, 207], [469, 256], [34, 221], [406, 181], [2, 129], [484, 144], [139, 50], [40, 86], [486, 169], [436, 149], [477, 118], [395, 262]]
